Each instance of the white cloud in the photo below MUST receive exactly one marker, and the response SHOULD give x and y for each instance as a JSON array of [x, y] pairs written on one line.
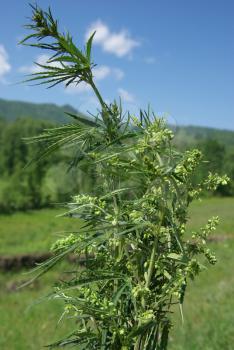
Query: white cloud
[[5, 66], [80, 88], [101, 72], [102, 32], [42, 59], [118, 73], [150, 60], [120, 44], [126, 96]]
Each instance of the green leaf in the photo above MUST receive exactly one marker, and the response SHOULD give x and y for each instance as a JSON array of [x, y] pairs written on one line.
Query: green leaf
[[119, 292], [175, 256], [141, 329], [112, 193], [63, 59], [85, 281], [103, 340], [82, 119], [72, 49], [48, 264], [89, 46], [167, 275]]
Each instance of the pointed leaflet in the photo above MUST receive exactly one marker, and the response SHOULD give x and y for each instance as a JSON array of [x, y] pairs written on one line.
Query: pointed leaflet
[[82, 119], [89, 46]]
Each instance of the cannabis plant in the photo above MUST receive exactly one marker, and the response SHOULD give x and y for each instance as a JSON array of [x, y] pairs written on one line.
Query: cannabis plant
[[137, 253]]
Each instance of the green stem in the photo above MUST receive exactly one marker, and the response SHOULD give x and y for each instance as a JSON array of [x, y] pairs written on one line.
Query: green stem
[[141, 342], [152, 262], [100, 99], [97, 93]]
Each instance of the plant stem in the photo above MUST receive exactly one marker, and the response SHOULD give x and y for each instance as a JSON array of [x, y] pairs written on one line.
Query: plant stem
[[105, 115], [97, 93], [152, 262]]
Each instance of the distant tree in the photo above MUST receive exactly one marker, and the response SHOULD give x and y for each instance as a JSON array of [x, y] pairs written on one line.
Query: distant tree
[[40, 185], [22, 187], [215, 158], [229, 169], [214, 153]]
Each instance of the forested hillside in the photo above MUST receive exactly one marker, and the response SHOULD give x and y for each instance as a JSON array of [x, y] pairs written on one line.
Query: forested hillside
[[50, 181], [11, 110], [188, 135], [185, 135], [40, 184], [217, 147]]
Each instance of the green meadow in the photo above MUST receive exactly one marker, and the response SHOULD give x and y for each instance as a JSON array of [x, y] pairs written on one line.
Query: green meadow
[[28, 321], [209, 304], [33, 231]]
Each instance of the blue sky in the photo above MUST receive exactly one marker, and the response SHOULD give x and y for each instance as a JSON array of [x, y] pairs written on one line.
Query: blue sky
[[177, 55]]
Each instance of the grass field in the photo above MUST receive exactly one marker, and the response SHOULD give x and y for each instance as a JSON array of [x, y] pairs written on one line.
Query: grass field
[[33, 231], [24, 326], [208, 309], [209, 304], [21, 326]]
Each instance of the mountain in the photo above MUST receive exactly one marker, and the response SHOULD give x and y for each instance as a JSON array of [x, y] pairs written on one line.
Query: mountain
[[192, 135], [185, 136], [11, 110]]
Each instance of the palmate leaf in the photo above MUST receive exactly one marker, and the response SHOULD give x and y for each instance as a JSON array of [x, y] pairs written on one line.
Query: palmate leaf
[[152, 338], [78, 246], [119, 293], [164, 336], [63, 58], [75, 66], [141, 329], [84, 120], [112, 193], [53, 75], [125, 136], [83, 339], [66, 135], [99, 277]]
